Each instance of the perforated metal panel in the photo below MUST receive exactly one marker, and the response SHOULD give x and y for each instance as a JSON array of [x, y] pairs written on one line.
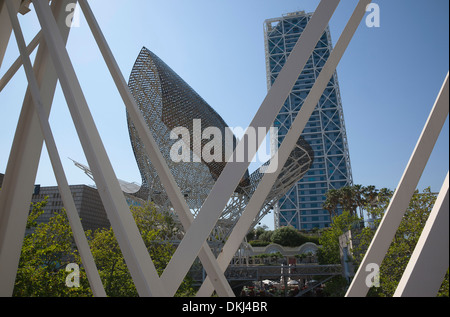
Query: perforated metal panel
[[167, 102]]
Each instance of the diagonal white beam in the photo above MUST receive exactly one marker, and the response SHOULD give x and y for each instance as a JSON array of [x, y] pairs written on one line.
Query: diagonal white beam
[[24, 158], [429, 262], [233, 171], [18, 62], [206, 256], [289, 142], [136, 255], [402, 196], [5, 27], [72, 214]]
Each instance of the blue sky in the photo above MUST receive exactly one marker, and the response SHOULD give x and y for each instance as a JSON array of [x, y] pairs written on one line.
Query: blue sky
[[389, 77]]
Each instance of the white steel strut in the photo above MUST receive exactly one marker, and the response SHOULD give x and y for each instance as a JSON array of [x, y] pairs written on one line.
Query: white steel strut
[[405, 189], [26, 150], [53, 63], [237, 236], [66, 194]]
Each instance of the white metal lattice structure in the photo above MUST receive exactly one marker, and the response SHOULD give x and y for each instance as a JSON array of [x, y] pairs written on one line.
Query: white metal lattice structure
[[17, 178], [52, 63], [168, 103]]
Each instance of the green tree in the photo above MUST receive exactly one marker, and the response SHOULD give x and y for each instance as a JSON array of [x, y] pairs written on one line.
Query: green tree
[[353, 198], [403, 244], [45, 254], [375, 203], [332, 201], [329, 252], [288, 237], [255, 233], [266, 236], [50, 248], [336, 287], [156, 228]]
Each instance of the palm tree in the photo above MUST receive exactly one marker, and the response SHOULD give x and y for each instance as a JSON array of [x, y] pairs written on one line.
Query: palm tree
[[348, 199], [351, 198], [332, 201], [362, 197]]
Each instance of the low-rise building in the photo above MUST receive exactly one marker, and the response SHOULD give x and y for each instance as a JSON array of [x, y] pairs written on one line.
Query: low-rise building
[[87, 201]]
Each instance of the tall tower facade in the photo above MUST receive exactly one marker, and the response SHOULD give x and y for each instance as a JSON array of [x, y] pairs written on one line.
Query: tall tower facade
[[301, 207]]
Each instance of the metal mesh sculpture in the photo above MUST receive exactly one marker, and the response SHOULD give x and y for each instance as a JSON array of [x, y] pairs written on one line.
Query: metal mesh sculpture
[[422, 277], [167, 102]]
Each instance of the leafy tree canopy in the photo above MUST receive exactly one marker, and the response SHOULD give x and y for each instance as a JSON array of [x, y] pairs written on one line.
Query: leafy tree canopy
[[290, 237], [50, 248], [401, 248]]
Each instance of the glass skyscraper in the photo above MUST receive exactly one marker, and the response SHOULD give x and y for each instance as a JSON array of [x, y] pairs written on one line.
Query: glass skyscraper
[[301, 208]]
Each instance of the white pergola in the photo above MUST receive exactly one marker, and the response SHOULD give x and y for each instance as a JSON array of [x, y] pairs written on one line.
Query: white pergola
[[426, 268]]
